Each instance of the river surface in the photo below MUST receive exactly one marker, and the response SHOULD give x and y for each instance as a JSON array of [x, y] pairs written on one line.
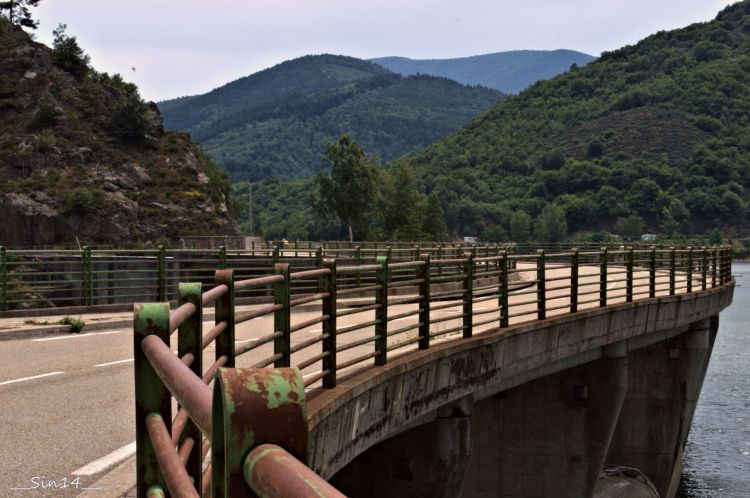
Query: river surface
[[717, 457]]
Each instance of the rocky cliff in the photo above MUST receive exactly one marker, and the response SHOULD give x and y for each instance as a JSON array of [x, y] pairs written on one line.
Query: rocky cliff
[[81, 155]]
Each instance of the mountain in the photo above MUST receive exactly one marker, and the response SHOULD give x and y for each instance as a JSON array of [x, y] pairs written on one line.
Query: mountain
[[657, 131], [83, 158], [509, 72], [276, 122]]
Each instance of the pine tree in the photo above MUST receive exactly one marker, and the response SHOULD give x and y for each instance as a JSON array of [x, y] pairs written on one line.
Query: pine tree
[[433, 224], [17, 12]]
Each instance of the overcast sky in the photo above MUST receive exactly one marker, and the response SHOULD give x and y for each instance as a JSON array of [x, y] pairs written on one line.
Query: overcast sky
[[184, 47]]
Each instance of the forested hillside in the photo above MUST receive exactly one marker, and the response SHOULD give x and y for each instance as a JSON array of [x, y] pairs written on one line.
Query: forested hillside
[[657, 132], [509, 72], [276, 122]]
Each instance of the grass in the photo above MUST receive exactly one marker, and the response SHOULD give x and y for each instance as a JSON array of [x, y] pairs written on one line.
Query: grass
[[76, 324]]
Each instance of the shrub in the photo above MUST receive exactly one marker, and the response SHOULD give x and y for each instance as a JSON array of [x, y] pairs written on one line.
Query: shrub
[[68, 55], [46, 141], [47, 113], [76, 324], [131, 119], [81, 201]]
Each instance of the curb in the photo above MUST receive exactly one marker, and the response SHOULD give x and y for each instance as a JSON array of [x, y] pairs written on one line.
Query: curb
[[116, 483]]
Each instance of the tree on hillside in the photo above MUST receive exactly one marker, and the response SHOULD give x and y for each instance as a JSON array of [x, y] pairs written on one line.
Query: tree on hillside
[[402, 205], [631, 228], [349, 191], [17, 12], [67, 54], [551, 225], [433, 224], [520, 226]]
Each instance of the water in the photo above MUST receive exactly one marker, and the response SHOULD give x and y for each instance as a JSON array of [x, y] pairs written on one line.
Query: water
[[717, 457]]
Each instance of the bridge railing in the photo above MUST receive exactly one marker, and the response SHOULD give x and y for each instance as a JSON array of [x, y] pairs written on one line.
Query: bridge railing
[[359, 314]]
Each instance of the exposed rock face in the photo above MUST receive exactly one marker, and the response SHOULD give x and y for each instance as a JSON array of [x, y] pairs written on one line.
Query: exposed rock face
[[67, 173]]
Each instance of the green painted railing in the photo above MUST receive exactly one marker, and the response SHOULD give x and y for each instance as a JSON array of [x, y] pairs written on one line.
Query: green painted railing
[[357, 309]]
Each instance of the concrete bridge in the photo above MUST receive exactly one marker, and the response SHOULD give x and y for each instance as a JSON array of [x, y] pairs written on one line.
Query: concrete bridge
[[529, 398]]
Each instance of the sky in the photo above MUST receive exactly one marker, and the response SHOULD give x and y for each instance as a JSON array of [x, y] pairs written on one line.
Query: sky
[[172, 48]]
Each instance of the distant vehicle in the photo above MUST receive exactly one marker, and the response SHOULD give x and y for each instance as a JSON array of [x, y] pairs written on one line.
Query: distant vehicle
[[648, 237], [470, 240]]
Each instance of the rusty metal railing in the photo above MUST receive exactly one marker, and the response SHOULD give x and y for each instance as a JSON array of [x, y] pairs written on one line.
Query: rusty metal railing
[[269, 356]]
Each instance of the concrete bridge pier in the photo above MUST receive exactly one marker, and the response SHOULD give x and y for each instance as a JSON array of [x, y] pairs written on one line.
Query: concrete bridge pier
[[428, 461], [664, 383], [548, 437]]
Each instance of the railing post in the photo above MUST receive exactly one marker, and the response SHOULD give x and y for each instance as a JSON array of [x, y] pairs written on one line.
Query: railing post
[[276, 255], [161, 283], [704, 268], [190, 341], [329, 326], [440, 256], [672, 265], [574, 258], [652, 274], [423, 273], [603, 276], [358, 259], [713, 268], [3, 279], [319, 264], [224, 311], [541, 285], [282, 318], [629, 275], [88, 289], [690, 270], [151, 395], [381, 312], [468, 304], [389, 253], [223, 258], [504, 298]]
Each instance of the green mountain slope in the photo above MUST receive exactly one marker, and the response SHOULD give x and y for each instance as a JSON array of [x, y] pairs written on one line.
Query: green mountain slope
[[276, 122], [509, 72], [84, 159], [659, 130]]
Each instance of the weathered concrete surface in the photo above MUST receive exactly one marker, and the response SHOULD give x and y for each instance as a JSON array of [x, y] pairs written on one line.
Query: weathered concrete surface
[[374, 405], [547, 437], [664, 384]]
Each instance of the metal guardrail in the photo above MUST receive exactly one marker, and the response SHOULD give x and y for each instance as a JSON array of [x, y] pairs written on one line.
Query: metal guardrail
[[253, 412]]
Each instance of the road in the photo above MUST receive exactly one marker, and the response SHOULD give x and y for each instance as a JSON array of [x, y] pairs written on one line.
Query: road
[[68, 400]]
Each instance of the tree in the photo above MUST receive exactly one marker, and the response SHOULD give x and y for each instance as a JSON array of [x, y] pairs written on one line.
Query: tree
[[349, 192], [520, 226], [17, 12], [67, 54], [433, 224], [402, 203], [631, 227], [551, 225]]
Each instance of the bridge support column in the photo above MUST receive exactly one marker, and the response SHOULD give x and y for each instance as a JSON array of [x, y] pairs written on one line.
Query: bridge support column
[[664, 383], [548, 437], [427, 461]]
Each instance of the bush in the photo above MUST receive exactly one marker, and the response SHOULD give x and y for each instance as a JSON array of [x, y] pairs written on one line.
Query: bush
[[81, 201], [46, 141], [67, 55], [47, 113], [76, 324], [131, 120]]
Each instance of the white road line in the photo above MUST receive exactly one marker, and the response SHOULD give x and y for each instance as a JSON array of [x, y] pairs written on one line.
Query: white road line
[[76, 336], [106, 461], [30, 378], [113, 363]]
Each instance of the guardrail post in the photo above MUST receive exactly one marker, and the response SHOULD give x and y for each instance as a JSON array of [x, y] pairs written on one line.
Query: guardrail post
[[690, 270], [161, 281], [672, 265], [282, 318], [358, 259], [223, 258], [603, 254], [3, 279], [440, 256], [468, 307], [704, 268], [389, 253], [190, 341], [250, 407], [652, 274], [629, 275], [713, 268], [541, 285], [423, 273], [319, 264], [276, 255], [504, 298], [224, 310], [381, 312], [574, 259], [416, 252], [88, 288], [151, 395], [329, 326]]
